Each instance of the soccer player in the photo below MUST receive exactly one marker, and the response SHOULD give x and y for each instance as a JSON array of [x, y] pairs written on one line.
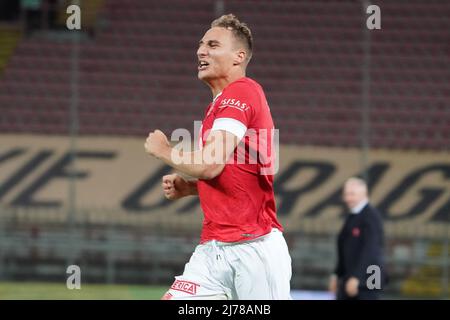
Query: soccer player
[[242, 252]]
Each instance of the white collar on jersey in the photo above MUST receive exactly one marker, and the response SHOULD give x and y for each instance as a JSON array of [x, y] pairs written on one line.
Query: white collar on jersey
[[210, 109], [217, 95], [359, 206]]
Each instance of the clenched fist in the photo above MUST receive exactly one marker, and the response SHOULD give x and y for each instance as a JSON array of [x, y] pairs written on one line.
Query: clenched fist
[[157, 144], [175, 187]]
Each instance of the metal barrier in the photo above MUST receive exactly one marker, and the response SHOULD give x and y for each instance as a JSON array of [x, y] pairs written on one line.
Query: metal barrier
[[34, 247]]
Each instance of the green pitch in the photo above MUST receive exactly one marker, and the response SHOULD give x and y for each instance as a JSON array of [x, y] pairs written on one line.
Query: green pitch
[[59, 291]]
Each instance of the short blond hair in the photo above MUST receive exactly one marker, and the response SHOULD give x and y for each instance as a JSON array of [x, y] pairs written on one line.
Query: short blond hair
[[240, 31]]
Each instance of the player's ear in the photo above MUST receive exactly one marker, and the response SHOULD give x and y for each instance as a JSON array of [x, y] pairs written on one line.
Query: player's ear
[[240, 57]]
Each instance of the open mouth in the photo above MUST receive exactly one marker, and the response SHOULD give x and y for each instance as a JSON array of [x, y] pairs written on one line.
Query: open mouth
[[202, 65]]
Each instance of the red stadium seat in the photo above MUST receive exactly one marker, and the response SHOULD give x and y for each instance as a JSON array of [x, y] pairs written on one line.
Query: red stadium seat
[[140, 71]]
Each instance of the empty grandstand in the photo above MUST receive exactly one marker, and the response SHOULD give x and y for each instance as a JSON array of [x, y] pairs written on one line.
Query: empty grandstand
[[76, 105]]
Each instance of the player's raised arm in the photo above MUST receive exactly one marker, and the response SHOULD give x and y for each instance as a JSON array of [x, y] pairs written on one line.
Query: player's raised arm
[[205, 164]]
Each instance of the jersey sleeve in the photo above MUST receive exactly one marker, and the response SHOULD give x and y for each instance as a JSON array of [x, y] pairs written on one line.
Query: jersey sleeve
[[235, 110]]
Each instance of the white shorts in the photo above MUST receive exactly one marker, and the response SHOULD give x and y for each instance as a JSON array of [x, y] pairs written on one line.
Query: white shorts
[[259, 269]]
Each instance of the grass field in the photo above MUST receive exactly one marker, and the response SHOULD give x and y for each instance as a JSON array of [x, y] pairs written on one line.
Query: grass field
[[59, 291]]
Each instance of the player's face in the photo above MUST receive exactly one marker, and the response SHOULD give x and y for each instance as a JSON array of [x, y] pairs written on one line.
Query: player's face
[[353, 194], [216, 54]]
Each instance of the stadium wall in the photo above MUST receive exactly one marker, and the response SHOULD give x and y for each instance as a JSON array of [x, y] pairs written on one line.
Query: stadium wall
[[116, 182]]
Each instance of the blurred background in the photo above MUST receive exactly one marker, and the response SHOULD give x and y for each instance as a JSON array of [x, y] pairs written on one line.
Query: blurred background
[[76, 187]]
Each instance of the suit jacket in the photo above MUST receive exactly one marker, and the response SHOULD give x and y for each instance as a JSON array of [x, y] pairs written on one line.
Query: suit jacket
[[360, 244]]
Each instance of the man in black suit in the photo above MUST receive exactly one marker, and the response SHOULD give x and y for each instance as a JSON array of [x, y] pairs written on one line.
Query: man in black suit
[[360, 245]]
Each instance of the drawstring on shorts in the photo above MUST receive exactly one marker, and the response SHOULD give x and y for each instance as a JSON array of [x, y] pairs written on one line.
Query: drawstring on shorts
[[216, 249]]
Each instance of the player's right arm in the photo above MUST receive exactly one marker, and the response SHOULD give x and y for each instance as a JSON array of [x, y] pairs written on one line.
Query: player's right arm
[[176, 187]]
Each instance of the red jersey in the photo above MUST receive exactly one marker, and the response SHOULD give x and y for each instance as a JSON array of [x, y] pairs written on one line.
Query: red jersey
[[239, 203]]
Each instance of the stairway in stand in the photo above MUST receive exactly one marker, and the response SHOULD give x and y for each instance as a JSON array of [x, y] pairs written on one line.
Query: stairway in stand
[[9, 37]]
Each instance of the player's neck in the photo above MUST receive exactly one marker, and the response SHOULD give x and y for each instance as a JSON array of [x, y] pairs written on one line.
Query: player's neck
[[218, 85]]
